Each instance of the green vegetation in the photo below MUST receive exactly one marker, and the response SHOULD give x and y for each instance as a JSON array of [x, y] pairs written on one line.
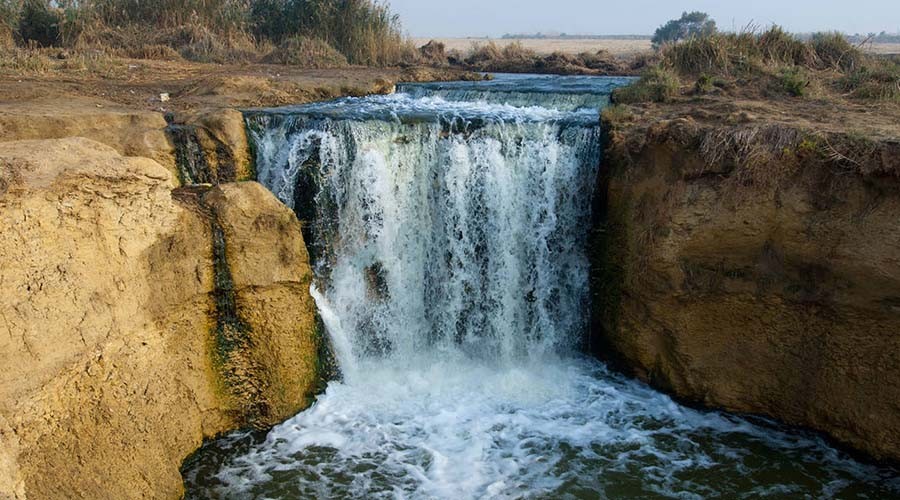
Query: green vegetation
[[768, 61], [657, 84], [794, 81], [314, 33], [691, 24]]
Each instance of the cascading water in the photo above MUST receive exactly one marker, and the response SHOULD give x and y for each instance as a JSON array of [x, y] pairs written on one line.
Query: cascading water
[[448, 232]]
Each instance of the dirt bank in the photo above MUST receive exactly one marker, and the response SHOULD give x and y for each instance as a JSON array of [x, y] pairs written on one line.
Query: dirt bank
[[745, 257]]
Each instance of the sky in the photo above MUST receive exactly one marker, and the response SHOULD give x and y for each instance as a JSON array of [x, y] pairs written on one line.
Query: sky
[[458, 18]]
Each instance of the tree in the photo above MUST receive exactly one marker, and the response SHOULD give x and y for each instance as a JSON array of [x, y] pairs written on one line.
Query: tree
[[691, 24]]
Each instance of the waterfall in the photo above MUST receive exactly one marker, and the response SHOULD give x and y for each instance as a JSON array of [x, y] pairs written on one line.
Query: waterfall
[[461, 231], [447, 228]]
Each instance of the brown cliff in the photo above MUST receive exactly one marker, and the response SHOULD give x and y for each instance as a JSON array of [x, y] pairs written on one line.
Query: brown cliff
[[113, 366], [756, 268]]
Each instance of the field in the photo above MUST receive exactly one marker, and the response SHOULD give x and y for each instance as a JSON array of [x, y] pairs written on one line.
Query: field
[[620, 48]]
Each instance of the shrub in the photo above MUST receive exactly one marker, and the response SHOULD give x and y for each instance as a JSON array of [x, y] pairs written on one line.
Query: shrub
[[364, 31], [879, 79], [9, 14], [834, 51], [307, 53], [715, 54], [39, 23], [513, 57], [199, 43], [601, 60], [484, 53], [780, 47], [657, 84], [704, 84], [434, 53], [794, 81]]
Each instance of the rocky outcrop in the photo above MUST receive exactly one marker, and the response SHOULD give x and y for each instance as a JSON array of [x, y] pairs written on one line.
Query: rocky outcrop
[[114, 363], [757, 269], [130, 132], [220, 137]]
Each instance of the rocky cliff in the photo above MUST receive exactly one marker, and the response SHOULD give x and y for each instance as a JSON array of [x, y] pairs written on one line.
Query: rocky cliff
[[119, 295], [756, 268]]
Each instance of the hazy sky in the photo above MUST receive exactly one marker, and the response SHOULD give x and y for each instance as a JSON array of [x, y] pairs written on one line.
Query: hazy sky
[[496, 17]]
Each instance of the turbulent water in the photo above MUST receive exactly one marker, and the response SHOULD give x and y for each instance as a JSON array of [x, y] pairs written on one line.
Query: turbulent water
[[447, 224]]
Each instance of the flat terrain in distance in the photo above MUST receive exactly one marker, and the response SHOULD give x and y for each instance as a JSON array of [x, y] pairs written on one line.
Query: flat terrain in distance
[[577, 45], [549, 45]]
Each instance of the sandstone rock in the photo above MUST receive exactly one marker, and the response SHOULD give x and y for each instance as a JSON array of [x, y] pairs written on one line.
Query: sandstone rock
[[130, 132], [767, 284], [108, 315], [270, 275], [223, 139]]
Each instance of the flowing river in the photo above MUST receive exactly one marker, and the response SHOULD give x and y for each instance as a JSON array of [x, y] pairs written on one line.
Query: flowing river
[[447, 224]]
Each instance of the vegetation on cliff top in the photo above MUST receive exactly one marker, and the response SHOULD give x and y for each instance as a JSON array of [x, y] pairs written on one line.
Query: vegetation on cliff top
[[363, 32], [767, 63]]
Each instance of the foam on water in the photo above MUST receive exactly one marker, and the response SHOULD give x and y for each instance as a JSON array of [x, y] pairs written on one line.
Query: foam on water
[[549, 429], [449, 246]]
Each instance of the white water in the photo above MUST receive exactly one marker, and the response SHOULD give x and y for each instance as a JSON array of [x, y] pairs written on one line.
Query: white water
[[452, 280]]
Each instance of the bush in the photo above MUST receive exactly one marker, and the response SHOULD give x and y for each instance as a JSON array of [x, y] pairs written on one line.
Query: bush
[[201, 44], [39, 23], [704, 84], [513, 57], [794, 81], [433, 53], [878, 79], [780, 47], [834, 51], [657, 84], [307, 53], [9, 14]]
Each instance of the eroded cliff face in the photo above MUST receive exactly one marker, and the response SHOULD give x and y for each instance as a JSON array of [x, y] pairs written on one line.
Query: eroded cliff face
[[114, 369], [757, 269]]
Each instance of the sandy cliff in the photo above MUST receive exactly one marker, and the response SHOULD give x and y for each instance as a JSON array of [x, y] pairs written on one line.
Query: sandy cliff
[[114, 367], [756, 268]]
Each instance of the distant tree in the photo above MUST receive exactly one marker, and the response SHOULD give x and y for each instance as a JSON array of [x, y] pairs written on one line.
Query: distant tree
[[690, 24]]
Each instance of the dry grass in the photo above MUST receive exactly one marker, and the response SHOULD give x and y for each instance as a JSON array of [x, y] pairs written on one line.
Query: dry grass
[[365, 32], [657, 84], [42, 61], [516, 57], [307, 53], [770, 63]]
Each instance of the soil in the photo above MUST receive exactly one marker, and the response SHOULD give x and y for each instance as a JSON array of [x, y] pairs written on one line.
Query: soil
[[139, 84]]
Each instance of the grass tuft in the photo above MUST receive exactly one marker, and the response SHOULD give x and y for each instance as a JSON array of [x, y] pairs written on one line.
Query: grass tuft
[[307, 53], [656, 84]]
